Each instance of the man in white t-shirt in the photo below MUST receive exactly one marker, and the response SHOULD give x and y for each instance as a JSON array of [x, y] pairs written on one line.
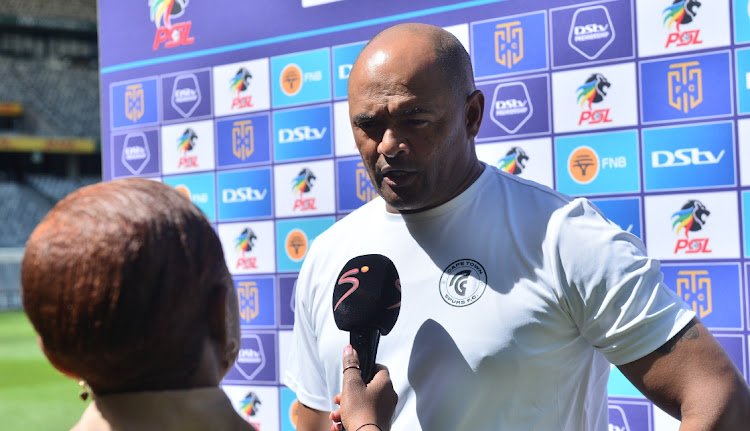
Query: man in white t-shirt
[[515, 299]]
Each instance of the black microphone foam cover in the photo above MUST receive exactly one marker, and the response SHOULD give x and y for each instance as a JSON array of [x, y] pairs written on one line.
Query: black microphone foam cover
[[367, 294]]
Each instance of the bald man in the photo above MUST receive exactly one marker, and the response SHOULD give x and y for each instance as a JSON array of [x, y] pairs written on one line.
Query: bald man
[[515, 298]]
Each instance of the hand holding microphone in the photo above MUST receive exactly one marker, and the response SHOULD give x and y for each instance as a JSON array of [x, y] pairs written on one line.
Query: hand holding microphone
[[366, 303], [363, 407]]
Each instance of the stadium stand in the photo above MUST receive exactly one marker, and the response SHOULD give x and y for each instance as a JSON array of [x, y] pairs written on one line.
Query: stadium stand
[[84, 10], [49, 91]]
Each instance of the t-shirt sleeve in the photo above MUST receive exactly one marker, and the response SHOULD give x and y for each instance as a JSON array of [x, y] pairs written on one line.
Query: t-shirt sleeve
[[304, 373], [613, 292]]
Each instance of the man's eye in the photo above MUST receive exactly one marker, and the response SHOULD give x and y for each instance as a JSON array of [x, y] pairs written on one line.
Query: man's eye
[[416, 122]]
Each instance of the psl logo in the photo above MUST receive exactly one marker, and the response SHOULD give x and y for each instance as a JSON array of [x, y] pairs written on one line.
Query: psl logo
[[593, 91], [302, 184], [691, 218], [365, 191], [239, 83], [247, 294], [243, 140], [244, 243], [685, 82], [681, 12], [171, 35], [583, 165], [186, 143], [694, 287], [249, 407], [508, 43], [513, 162], [134, 102]]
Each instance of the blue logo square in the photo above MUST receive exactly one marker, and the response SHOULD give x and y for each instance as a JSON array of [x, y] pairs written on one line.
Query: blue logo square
[[134, 103], [741, 21], [625, 212], [509, 45], [300, 78], [199, 188], [354, 186], [743, 80], [599, 163], [293, 240], [689, 156], [302, 133], [685, 88], [255, 297], [343, 59], [245, 194], [712, 291], [243, 141]]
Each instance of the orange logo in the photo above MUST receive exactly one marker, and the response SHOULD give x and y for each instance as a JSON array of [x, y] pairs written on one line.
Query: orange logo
[[293, 413], [583, 165], [296, 245], [291, 79], [184, 190]]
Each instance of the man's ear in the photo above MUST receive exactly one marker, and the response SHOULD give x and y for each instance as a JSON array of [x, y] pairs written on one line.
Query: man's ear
[[218, 315], [474, 110], [52, 360]]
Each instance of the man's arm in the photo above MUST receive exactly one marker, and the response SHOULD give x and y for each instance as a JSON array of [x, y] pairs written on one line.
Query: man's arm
[[312, 420], [693, 379]]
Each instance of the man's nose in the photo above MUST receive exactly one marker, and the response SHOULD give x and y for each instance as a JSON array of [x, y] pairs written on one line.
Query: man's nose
[[392, 144]]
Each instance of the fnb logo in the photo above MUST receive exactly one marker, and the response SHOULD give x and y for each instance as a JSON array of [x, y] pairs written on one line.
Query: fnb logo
[[291, 79], [245, 243], [243, 140], [249, 302], [508, 43], [694, 287], [185, 143], [196, 198], [167, 33], [364, 189], [302, 184], [513, 162], [583, 165], [690, 218], [593, 91], [296, 245], [681, 12], [134, 102], [685, 82], [238, 84]]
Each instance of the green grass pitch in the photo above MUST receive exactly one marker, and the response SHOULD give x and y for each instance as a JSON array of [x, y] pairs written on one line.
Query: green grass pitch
[[33, 395]]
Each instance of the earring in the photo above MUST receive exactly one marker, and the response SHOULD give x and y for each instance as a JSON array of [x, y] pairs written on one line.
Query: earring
[[84, 394]]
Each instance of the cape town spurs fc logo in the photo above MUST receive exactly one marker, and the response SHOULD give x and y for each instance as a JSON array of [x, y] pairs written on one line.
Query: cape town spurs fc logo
[[168, 33], [463, 282]]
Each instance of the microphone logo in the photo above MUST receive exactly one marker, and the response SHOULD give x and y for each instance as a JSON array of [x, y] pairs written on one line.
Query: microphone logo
[[346, 278], [463, 282]]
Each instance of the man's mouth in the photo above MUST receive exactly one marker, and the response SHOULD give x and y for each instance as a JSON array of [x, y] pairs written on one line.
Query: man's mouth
[[398, 178]]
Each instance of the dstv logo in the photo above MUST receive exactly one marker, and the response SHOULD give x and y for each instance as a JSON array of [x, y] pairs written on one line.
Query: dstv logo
[[684, 157], [134, 153], [302, 133], [249, 356], [243, 194], [581, 30], [511, 106]]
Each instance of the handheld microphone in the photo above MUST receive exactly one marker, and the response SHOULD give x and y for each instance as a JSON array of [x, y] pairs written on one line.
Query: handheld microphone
[[366, 302]]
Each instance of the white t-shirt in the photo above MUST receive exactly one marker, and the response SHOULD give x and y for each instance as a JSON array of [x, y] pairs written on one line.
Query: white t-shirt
[[515, 298]]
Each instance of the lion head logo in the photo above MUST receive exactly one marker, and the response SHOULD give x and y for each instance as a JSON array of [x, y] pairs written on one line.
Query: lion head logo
[[593, 90], [513, 162], [690, 218], [680, 12], [246, 241], [303, 182]]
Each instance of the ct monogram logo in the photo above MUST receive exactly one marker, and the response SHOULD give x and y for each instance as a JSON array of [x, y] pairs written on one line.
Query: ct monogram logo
[[463, 282]]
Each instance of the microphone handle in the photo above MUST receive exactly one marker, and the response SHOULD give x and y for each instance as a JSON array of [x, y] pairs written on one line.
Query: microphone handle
[[365, 342]]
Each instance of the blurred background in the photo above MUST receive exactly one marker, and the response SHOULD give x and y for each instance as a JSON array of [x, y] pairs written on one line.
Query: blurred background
[[49, 146]]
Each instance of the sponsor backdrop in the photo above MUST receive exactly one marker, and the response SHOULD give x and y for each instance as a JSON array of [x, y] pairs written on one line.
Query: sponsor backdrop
[[644, 106]]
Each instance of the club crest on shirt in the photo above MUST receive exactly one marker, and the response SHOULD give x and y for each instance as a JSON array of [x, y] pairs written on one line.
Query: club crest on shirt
[[463, 282]]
